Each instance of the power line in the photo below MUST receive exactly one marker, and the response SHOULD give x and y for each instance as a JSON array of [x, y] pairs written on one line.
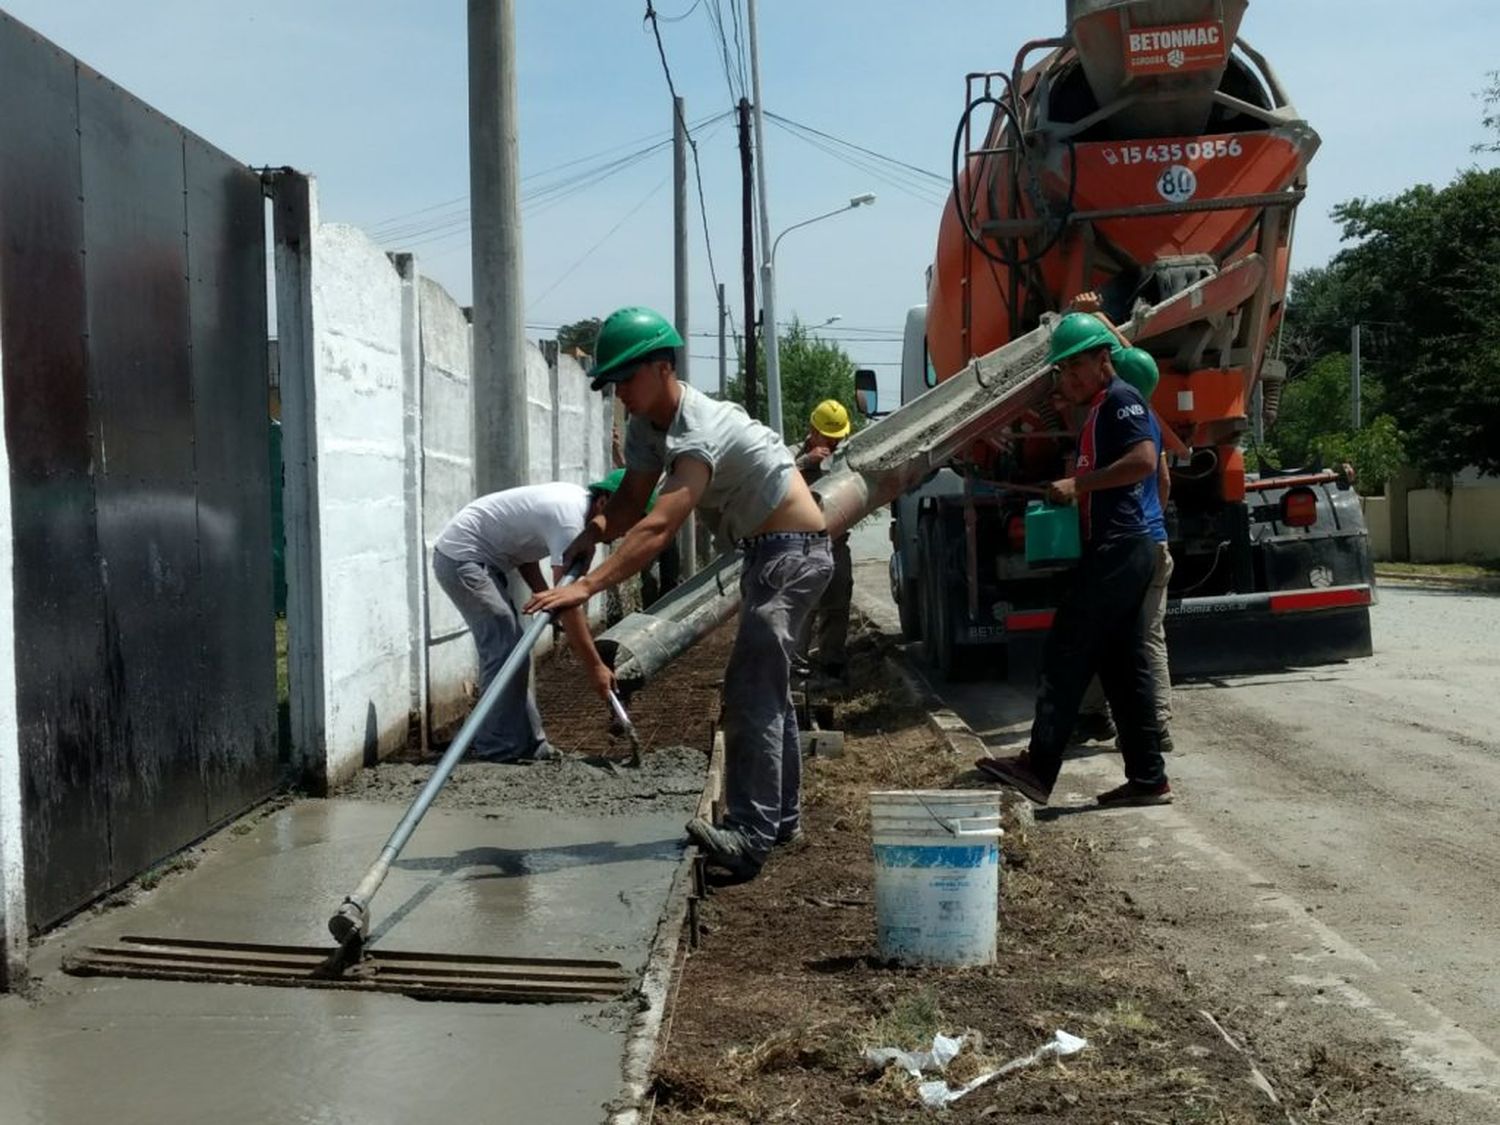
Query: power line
[[708, 245], [934, 176], [567, 273], [679, 19], [901, 181]]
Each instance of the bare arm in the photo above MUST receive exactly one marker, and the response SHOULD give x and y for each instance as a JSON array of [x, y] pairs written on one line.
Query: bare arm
[[1163, 482], [621, 512], [531, 574], [680, 493], [575, 624]]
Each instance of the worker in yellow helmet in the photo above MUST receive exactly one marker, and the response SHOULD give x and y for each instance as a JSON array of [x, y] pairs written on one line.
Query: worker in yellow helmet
[[830, 426]]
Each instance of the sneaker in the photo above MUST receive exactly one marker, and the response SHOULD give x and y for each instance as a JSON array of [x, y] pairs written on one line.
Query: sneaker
[[724, 847], [1017, 773], [1094, 727], [1133, 793], [789, 838]]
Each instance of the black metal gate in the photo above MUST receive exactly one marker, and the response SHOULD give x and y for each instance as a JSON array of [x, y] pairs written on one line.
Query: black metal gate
[[133, 354]]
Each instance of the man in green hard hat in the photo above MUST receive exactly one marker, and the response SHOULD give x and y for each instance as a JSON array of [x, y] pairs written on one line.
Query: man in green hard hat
[[1099, 628], [739, 475], [473, 558]]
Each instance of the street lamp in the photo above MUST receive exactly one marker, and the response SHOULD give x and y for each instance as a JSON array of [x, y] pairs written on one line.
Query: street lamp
[[834, 319], [768, 298]]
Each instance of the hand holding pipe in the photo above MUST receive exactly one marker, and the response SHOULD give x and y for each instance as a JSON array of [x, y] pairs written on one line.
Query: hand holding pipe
[[350, 924]]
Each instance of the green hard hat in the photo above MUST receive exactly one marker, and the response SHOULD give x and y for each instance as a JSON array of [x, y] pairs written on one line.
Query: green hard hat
[[1137, 367], [626, 336], [1078, 332], [611, 484]]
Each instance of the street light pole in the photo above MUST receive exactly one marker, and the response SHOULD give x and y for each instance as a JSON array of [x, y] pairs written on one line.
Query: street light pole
[[767, 285]]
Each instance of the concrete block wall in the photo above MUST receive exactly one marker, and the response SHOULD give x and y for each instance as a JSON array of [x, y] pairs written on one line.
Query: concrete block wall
[[376, 376], [1378, 522], [447, 485], [13, 925], [1474, 522], [366, 557], [1427, 526]]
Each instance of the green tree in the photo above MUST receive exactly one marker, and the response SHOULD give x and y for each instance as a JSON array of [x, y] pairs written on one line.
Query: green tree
[[1490, 119], [1423, 271], [581, 334], [812, 369]]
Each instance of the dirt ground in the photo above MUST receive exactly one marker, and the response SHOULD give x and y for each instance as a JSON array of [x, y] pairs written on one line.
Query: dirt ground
[[775, 1008]]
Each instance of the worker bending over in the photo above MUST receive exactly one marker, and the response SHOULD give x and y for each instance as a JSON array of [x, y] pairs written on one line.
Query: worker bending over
[[492, 537], [739, 474], [829, 427], [1099, 628]]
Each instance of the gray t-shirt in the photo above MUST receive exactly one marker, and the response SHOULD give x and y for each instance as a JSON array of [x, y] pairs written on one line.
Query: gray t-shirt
[[752, 470], [519, 525]]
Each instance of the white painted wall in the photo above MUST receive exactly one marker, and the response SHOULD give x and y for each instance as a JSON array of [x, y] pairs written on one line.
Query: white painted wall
[[447, 485], [376, 365], [361, 450], [12, 833]]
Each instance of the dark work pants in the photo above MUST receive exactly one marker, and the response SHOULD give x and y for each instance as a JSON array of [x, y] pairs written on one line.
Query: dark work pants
[[1100, 630], [783, 577]]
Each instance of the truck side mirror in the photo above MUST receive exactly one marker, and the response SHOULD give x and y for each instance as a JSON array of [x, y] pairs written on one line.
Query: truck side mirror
[[866, 393]]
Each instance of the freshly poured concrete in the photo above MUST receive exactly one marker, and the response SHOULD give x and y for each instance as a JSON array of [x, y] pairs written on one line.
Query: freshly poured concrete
[[519, 883]]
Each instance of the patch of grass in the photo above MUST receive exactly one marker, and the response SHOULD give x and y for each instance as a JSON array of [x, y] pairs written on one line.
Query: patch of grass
[[913, 1019]]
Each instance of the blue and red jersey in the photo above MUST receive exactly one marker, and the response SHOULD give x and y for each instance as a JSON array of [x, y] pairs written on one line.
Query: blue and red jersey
[[1118, 419]]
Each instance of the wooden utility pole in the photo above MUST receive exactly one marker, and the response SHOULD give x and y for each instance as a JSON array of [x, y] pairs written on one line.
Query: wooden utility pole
[[747, 223]]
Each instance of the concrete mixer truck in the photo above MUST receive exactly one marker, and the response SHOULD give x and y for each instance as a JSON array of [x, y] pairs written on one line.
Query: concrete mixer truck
[[1151, 157]]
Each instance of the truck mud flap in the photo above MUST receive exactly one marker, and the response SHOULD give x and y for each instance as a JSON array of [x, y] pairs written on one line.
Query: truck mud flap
[[1234, 634]]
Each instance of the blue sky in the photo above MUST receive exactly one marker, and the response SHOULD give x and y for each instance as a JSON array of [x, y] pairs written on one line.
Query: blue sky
[[371, 97]]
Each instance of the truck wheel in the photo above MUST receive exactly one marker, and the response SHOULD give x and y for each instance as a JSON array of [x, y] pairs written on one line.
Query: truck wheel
[[910, 611], [937, 616]]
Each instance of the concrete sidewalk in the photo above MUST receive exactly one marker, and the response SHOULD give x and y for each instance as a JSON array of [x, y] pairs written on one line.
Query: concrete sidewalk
[[504, 882]]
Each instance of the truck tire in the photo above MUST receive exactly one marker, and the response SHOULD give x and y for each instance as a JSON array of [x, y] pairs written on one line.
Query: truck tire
[[909, 609], [937, 614]]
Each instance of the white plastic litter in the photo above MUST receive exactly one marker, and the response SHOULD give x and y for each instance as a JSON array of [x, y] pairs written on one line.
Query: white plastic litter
[[937, 1093], [944, 1051]]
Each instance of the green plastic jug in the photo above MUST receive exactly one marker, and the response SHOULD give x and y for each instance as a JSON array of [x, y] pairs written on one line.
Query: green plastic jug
[[1051, 533]]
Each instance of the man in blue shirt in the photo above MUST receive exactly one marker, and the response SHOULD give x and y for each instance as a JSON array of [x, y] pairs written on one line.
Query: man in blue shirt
[[1099, 628], [1138, 368]]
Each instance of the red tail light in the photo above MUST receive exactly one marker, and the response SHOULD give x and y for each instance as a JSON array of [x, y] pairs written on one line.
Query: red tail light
[[1299, 508]]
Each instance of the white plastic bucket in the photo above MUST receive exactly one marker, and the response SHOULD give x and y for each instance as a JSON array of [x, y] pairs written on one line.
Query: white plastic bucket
[[937, 874]]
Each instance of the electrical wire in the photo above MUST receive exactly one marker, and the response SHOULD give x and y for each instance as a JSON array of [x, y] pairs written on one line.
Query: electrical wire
[[884, 175], [934, 176], [661, 51], [567, 273]]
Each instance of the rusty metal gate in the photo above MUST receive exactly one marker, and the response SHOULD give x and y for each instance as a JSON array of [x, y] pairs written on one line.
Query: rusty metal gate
[[133, 355]]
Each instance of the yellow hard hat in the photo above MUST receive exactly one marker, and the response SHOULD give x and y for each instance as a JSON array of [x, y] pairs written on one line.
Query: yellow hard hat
[[830, 419]]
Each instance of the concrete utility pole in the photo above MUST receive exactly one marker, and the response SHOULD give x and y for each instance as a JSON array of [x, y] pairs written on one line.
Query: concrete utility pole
[[767, 281], [687, 536], [501, 446], [747, 236], [723, 356], [1354, 375]]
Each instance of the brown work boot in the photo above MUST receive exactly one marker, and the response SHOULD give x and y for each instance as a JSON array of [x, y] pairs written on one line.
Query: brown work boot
[[1133, 793], [1017, 773]]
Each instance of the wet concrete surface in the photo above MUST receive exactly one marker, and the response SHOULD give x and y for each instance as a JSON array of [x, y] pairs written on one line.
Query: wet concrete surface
[[504, 881]]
